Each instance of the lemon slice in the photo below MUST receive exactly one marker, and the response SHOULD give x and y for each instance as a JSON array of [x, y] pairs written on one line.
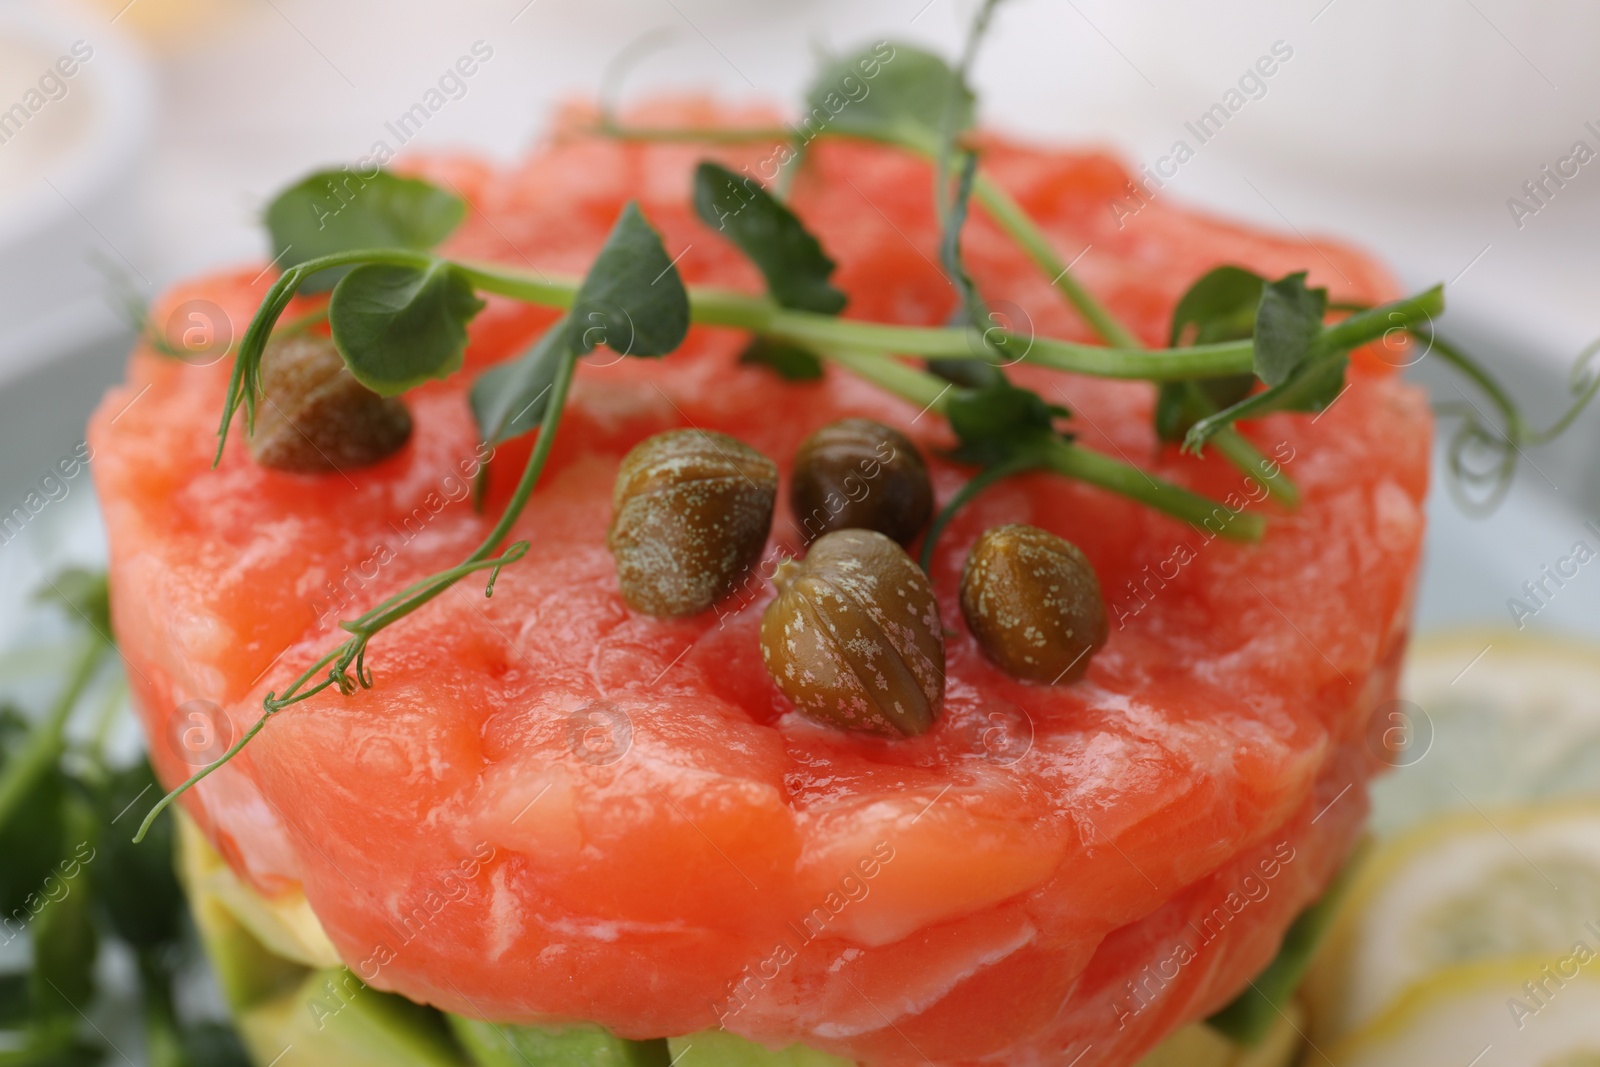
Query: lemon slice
[[1460, 890], [1492, 719], [1488, 1015]]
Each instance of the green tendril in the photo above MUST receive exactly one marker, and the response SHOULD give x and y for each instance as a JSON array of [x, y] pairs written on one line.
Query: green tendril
[[1502, 446]]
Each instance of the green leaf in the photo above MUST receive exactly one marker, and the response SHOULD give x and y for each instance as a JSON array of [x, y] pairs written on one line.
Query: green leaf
[[84, 594], [790, 258], [1288, 323], [997, 422], [136, 884], [1221, 306], [1179, 405], [338, 211], [1312, 386], [790, 361], [632, 299], [399, 326], [509, 399], [889, 92]]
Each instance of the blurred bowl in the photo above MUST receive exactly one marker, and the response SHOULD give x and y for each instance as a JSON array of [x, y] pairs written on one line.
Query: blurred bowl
[[75, 119]]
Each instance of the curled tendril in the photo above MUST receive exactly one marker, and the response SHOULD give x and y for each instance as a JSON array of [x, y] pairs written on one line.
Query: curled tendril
[[1482, 457]]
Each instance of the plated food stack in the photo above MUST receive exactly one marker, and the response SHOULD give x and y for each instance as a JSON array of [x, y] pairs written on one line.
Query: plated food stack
[[717, 753]]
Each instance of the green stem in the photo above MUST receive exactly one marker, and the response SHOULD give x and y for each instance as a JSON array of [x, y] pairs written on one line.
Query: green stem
[[1057, 455], [1129, 481], [1019, 225], [244, 385], [975, 485], [1404, 314], [1154, 365], [891, 375], [1001, 206], [721, 307], [47, 741], [1238, 450]]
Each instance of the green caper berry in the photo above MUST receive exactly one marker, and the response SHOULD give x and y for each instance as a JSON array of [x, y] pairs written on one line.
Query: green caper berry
[[854, 638], [1033, 602], [856, 474], [315, 417], [691, 513]]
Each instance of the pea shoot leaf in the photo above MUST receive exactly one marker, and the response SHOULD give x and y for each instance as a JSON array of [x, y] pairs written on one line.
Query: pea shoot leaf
[[790, 258], [789, 361], [1312, 386], [632, 300], [1231, 304], [1221, 306], [1288, 322], [399, 326], [339, 211], [998, 422], [509, 399], [889, 92]]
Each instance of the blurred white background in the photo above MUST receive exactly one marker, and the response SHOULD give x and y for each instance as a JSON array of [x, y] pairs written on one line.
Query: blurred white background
[[1404, 124]]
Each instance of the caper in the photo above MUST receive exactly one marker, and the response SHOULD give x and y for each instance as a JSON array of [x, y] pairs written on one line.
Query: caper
[[856, 474], [315, 417], [691, 512], [1033, 602], [854, 637]]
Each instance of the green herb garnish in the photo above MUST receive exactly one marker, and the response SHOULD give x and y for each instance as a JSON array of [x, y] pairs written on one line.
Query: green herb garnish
[[509, 399], [632, 300], [336, 210], [398, 326], [789, 258]]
